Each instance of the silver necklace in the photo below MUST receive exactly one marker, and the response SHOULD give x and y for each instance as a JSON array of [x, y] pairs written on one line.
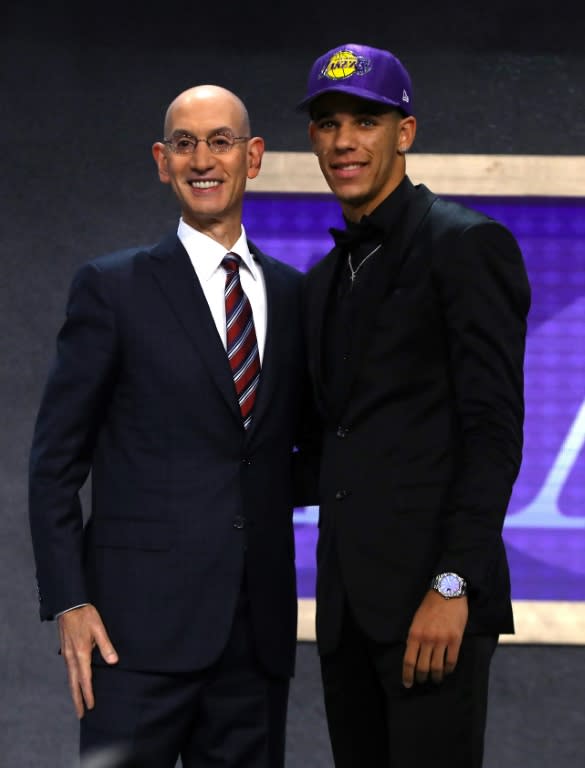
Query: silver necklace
[[353, 272]]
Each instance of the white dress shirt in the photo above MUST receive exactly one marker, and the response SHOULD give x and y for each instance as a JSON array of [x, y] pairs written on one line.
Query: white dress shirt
[[206, 256]]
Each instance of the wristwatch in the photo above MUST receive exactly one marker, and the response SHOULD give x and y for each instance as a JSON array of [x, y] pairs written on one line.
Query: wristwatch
[[449, 585]]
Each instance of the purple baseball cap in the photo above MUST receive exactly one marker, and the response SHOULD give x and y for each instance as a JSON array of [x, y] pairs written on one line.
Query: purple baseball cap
[[360, 70]]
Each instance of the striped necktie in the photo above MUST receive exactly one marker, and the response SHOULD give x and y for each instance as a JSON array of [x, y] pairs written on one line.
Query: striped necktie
[[242, 347]]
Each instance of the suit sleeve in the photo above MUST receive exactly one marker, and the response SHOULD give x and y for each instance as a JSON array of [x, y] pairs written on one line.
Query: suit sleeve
[[73, 406], [485, 297]]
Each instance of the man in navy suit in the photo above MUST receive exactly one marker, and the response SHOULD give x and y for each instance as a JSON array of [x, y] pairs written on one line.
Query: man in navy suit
[[416, 325], [176, 602]]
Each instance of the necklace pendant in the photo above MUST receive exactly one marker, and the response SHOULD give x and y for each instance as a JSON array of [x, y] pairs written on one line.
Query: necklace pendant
[[353, 272]]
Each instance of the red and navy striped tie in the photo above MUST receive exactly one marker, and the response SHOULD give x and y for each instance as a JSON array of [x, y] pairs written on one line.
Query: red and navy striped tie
[[242, 347]]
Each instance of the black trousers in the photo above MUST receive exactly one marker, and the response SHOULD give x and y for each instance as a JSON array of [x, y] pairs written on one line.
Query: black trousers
[[231, 715], [374, 721]]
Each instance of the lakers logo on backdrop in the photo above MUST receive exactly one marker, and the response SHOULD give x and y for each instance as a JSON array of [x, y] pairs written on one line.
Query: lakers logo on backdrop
[[345, 64]]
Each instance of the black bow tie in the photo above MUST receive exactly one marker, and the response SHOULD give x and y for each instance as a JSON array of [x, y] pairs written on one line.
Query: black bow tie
[[355, 234]]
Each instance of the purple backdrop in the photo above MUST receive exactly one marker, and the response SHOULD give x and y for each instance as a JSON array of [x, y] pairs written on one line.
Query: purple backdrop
[[545, 527]]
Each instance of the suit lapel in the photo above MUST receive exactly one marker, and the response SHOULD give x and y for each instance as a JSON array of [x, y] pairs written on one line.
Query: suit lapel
[[174, 273], [275, 329]]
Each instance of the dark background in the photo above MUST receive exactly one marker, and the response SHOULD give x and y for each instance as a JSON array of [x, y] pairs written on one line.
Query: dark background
[[84, 88]]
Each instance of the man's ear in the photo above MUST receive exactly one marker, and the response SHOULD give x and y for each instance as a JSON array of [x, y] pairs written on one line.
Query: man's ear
[[255, 153], [406, 133], [161, 160]]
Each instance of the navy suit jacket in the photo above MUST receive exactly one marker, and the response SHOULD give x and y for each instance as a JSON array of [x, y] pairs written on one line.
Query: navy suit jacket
[[422, 431], [185, 502]]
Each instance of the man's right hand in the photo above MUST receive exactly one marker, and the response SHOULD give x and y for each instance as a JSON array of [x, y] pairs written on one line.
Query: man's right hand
[[80, 630]]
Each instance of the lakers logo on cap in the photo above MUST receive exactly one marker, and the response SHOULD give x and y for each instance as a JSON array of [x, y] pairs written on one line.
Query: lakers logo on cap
[[345, 64]]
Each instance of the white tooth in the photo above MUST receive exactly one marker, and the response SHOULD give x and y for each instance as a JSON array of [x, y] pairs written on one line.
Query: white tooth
[[204, 184]]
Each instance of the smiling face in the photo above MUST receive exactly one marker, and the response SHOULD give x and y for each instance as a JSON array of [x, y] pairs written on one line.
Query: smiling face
[[360, 147], [209, 187]]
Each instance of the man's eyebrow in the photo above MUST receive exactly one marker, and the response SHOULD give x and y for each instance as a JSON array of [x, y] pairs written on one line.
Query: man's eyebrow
[[224, 129], [180, 132], [320, 115]]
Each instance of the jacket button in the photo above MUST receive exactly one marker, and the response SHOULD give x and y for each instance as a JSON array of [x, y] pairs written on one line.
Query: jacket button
[[342, 432], [341, 494], [239, 522]]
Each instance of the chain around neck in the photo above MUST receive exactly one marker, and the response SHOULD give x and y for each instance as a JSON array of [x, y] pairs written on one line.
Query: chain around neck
[[353, 272]]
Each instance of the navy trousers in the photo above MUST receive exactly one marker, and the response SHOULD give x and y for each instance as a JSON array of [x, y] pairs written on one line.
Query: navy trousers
[[231, 715]]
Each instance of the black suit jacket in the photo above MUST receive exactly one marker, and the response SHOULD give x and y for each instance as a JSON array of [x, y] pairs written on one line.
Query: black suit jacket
[[422, 431], [184, 500]]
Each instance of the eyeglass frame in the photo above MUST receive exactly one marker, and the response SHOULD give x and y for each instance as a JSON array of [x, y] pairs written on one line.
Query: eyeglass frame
[[230, 143]]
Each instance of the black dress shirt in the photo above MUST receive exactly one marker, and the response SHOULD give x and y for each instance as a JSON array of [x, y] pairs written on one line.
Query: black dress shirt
[[356, 242]]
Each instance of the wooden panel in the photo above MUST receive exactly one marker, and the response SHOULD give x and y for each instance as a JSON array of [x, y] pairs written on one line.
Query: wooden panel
[[537, 622], [533, 175]]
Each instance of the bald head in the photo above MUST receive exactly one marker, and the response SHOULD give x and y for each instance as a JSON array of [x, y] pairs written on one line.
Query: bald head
[[203, 98]]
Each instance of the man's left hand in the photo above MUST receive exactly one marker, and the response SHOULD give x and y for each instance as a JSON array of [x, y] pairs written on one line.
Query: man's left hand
[[434, 639]]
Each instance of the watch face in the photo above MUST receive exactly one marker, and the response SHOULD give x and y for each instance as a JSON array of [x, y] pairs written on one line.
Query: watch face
[[449, 585]]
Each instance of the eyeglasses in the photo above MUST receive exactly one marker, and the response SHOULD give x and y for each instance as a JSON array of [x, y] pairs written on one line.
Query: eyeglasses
[[218, 144]]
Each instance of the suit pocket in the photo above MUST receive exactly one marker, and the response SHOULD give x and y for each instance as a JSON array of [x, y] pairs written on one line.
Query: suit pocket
[[115, 533]]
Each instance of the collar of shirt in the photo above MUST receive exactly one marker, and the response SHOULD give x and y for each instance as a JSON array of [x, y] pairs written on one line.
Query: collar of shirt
[[387, 214], [206, 254], [376, 225]]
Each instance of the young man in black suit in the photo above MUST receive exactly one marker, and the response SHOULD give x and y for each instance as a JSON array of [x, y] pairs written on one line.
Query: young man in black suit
[[416, 324], [176, 603]]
